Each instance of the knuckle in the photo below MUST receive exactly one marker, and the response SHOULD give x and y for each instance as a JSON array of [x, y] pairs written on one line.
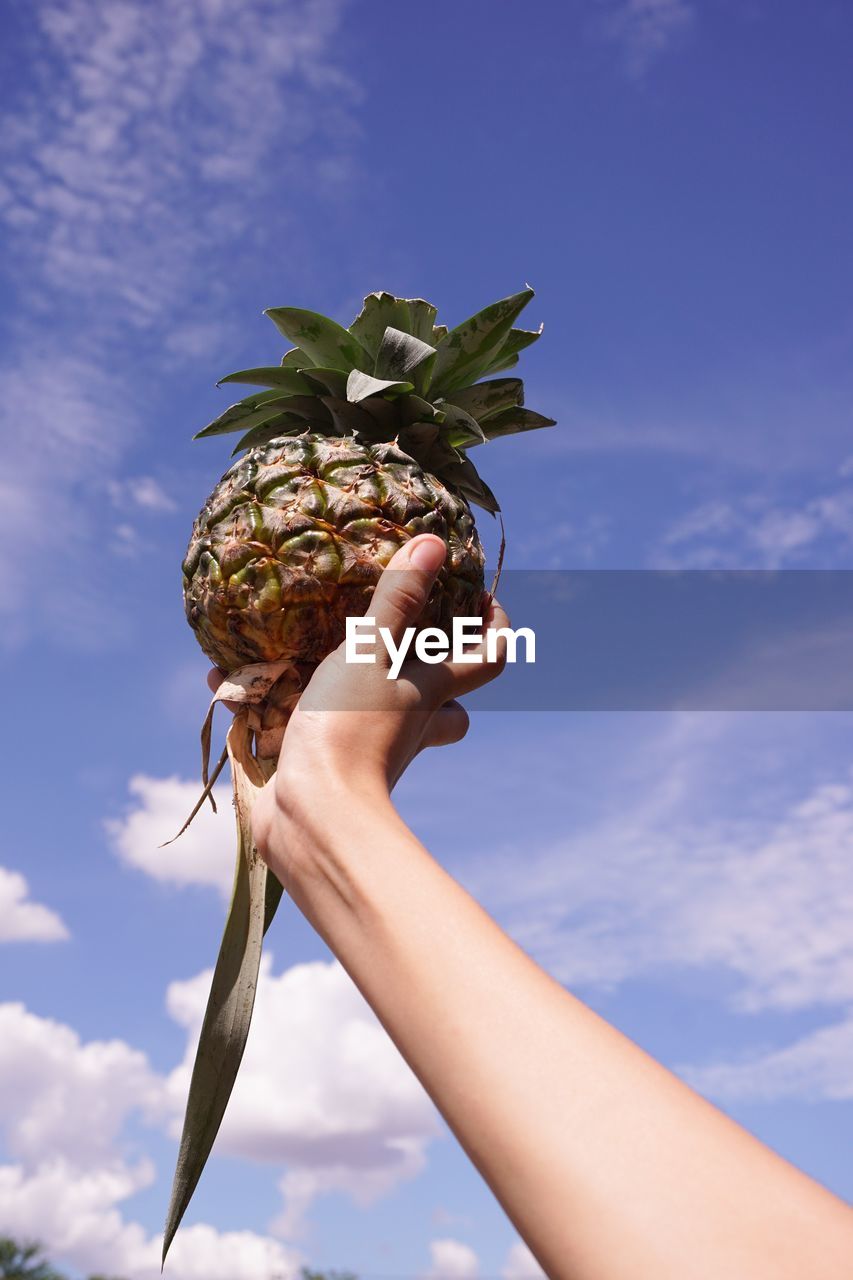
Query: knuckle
[[500, 659], [463, 723]]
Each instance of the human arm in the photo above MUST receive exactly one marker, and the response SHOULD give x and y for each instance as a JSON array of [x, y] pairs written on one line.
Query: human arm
[[608, 1165]]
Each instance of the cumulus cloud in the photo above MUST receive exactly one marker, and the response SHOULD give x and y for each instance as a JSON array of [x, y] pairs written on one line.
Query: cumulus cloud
[[322, 1094], [64, 1105], [203, 855], [451, 1258], [521, 1264], [78, 1216], [61, 1098], [321, 1088], [22, 920]]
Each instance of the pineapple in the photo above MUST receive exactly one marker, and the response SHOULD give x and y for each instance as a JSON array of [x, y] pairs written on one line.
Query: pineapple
[[293, 538], [358, 442]]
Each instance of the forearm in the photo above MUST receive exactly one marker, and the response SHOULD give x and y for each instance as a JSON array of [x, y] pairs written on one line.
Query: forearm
[[609, 1166]]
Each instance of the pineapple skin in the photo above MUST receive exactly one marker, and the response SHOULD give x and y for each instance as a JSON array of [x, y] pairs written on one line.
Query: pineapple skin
[[293, 538]]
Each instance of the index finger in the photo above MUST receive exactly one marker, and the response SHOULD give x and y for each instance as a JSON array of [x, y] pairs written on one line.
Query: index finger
[[464, 677]]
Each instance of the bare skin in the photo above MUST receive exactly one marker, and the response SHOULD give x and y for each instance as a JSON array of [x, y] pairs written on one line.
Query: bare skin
[[608, 1165]]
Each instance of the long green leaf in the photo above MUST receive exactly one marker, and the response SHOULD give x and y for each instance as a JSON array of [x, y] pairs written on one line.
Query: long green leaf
[[468, 350], [415, 409], [464, 477], [232, 995], [321, 338], [272, 376], [428, 445], [421, 320], [411, 315], [510, 421], [361, 385], [350, 418], [241, 418], [460, 429], [484, 398], [517, 340], [272, 897], [296, 359], [386, 415], [424, 442], [379, 311], [285, 424], [405, 357], [332, 382], [502, 364], [310, 406]]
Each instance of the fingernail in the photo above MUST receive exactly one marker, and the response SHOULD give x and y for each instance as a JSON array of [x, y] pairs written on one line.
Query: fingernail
[[428, 554]]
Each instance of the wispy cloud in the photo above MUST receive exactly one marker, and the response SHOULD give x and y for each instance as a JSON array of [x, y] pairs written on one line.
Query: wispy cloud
[[757, 530], [820, 1065], [21, 919], [150, 131], [143, 492], [52, 508], [644, 29], [141, 141], [663, 884]]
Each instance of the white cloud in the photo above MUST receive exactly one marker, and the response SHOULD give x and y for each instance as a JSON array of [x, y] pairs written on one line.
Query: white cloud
[[322, 1092], [63, 1107], [561, 542], [665, 884], [521, 1264], [77, 1216], [140, 491], [340, 1109], [646, 28], [203, 855], [129, 157], [760, 532], [60, 1098], [81, 427], [819, 1065], [22, 920], [452, 1260], [321, 1088]]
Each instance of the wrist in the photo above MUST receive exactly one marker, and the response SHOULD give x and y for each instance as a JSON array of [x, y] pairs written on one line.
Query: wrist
[[322, 825]]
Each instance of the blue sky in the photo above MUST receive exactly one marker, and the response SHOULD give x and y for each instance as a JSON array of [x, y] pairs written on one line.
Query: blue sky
[[672, 177]]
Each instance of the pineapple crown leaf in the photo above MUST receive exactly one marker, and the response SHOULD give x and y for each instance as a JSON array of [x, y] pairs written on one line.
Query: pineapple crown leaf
[[394, 374]]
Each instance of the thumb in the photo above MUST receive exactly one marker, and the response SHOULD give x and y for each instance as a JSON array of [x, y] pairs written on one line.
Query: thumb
[[403, 589]]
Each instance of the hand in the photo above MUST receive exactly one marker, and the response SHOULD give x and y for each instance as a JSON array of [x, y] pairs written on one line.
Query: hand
[[354, 730]]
